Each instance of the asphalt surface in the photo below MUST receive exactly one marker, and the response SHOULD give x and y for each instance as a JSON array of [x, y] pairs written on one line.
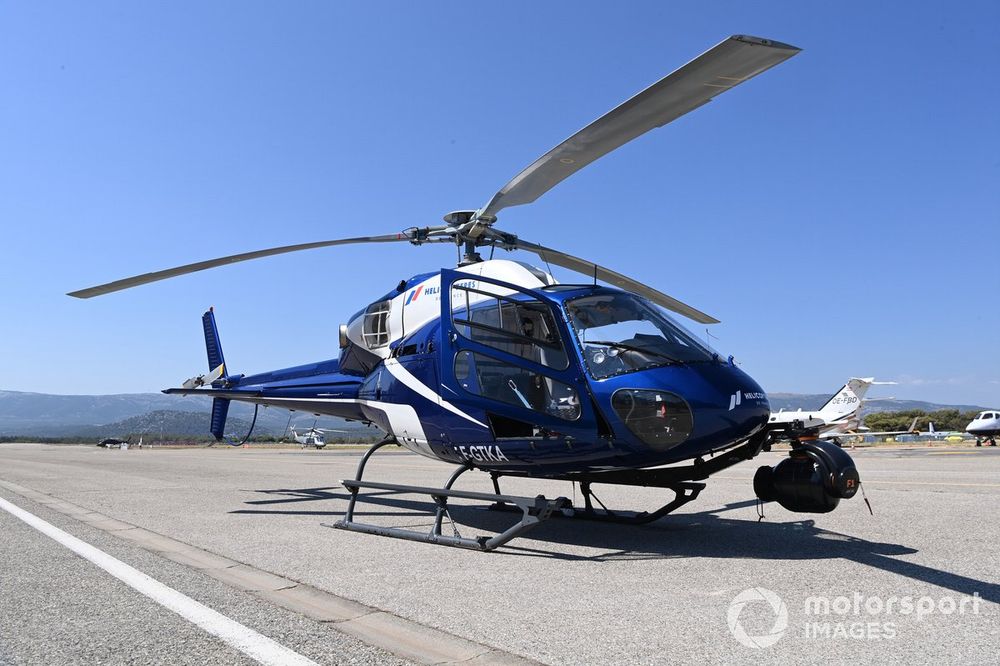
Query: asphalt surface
[[571, 592]]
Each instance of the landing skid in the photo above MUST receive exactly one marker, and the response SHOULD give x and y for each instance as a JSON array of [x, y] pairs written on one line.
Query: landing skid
[[534, 510]]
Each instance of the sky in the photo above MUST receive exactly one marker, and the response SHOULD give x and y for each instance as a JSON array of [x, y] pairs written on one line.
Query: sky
[[838, 213]]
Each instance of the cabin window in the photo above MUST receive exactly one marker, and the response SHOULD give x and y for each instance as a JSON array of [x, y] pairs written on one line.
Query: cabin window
[[500, 380], [511, 321], [376, 325], [621, 333]]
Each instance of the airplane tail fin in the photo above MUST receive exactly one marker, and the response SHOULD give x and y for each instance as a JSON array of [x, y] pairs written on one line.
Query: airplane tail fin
[[847, 400], [930, 427]]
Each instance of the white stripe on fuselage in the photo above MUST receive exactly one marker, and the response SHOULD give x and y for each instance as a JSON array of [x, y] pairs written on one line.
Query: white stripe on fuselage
[[403, 420], [403, 375], [406, 379]]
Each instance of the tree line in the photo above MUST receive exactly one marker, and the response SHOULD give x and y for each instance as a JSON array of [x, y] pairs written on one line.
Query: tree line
[[943, 419]]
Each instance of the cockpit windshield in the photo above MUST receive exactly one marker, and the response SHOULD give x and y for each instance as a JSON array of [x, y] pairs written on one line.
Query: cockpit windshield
[[622, 333]]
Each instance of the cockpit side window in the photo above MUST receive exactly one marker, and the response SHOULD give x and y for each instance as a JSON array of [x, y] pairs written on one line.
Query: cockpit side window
[[515, 323]]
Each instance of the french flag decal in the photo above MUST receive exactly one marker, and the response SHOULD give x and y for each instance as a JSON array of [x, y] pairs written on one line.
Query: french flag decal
[[414, 295]]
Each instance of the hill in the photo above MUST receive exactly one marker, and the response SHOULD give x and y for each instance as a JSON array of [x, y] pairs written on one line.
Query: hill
[[792, 401], [160, 423], [48, 415]]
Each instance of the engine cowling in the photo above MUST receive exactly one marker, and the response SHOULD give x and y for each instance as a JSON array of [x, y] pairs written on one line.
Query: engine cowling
[[813, 479]]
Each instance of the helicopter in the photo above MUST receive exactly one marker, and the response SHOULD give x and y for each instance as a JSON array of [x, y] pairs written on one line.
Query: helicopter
[[497, 367], [114, 442], [311, 437]]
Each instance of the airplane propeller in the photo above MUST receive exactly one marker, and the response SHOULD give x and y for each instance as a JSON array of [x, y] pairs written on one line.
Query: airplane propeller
[[724, 66]]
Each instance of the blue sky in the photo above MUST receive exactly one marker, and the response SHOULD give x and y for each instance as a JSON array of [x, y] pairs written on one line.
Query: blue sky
[[839, 213]]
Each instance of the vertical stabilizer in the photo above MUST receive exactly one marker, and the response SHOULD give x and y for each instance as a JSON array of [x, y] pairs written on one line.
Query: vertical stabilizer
[[220, 410], [218, 374], [847, 401], [212, 343]]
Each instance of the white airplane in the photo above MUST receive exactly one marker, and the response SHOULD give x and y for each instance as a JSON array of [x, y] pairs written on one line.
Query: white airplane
[[985, 427], [940, 434], [838, 415], [838, 418]]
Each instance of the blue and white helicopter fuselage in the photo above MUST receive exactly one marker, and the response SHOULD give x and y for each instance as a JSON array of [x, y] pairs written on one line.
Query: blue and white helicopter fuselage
[[496, 365]]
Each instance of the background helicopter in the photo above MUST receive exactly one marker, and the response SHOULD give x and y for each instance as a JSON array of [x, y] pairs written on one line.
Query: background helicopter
[[311, 436], [496, 366], [114, 442]]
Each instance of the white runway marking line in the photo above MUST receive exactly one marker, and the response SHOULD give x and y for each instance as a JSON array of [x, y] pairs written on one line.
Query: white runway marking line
[[246, 640]]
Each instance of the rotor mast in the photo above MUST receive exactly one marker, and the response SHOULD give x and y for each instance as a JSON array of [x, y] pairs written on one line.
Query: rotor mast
[[472, 229]]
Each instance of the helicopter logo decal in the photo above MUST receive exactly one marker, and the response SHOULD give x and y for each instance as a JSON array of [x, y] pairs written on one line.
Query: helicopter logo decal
[[414, 295], [736, 399]]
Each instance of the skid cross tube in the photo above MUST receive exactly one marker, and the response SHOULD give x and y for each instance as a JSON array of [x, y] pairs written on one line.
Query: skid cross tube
[[442, 503], [349, 515], [533, 511]]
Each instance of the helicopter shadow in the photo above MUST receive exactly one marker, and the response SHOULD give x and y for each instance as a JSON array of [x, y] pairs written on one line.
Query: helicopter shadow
[[681, 535], [285, 496], [708, 534]]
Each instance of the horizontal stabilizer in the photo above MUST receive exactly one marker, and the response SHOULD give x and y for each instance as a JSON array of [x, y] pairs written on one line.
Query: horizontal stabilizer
[[207, 378], [232, 394]]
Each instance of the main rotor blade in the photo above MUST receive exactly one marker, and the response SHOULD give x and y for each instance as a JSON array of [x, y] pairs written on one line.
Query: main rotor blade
[[724, 66], [591, 269], [146, 278]]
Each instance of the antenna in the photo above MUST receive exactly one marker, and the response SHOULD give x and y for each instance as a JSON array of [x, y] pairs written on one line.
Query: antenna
[[709, 336]]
